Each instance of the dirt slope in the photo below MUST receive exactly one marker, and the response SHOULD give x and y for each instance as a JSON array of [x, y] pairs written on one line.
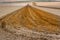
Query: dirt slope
[[33, 19]]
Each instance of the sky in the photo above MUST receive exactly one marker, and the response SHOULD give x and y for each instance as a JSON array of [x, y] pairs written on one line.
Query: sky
[[27, 0]]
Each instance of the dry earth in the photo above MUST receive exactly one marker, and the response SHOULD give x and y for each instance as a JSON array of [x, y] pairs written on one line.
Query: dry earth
[[30, 23]]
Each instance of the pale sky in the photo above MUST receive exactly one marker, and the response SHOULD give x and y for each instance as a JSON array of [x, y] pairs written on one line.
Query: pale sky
[[27, 0]]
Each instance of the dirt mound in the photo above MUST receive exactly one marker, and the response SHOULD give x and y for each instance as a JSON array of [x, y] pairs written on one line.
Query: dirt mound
[[33, 19]]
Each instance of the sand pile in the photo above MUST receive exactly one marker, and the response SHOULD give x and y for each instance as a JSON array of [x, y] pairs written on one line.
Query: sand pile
[[28, 18]]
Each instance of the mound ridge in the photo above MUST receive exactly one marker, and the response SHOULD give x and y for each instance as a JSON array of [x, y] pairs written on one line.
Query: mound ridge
[[33, 19]]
